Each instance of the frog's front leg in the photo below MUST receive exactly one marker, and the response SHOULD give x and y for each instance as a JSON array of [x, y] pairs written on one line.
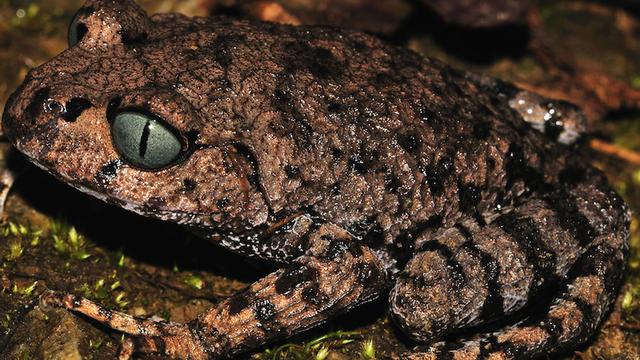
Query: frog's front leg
[[335, 274]]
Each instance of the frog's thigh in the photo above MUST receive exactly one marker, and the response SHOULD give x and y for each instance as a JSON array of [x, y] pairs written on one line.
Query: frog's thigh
[[469, 275], [574, 238]]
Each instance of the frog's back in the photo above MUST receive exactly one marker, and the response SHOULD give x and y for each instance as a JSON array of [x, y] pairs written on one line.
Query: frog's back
[[371, 136]]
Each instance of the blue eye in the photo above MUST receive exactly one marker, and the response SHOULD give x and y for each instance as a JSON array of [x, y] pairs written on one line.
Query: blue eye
[[145, 142]]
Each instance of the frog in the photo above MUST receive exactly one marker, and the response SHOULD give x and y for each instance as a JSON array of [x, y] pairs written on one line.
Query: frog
[[360, 169]]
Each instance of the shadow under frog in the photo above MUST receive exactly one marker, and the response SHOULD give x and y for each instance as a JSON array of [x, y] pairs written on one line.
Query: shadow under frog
[[360, 169]]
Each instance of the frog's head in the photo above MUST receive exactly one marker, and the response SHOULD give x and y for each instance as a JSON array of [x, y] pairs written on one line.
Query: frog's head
[[114, 125]]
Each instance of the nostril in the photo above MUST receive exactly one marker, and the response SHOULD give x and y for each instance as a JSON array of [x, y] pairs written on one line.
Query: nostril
[[53, 106]]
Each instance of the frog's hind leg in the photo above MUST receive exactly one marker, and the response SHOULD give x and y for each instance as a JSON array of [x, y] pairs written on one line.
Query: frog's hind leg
[[573, 239]]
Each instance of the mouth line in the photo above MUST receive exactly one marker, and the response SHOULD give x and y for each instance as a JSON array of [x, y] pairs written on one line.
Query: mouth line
[[179, 217]]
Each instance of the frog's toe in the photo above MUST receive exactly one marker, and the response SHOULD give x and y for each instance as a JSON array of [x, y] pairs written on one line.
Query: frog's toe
[[53, 299]]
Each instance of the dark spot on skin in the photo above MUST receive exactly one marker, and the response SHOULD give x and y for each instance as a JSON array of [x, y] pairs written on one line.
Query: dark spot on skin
[[335, 189], [517, 168], [553, 327], [313, 295], [402, 247], [292, 121], [360, 47], [482, 130], [571, 176], [585, 309], [34, 109], [493, 306], [160, 345], [105, 314], [318, 61], [292, 171], [392, 183], [264, 310], [409, 142], [374, 238], [436, 176], [596, 262], [295, 276], [446, 351], [338, 248], [553, 129], [570, 218], [252, 341], [538, 255], [106, 173], [334, 107], [208, 335], [131, 40], [469, 197], [74, 108], [222, 48], [367, 275], [360, 227], [433, 222], [363, 161], [223, 203], [188, 185], [238, 303]]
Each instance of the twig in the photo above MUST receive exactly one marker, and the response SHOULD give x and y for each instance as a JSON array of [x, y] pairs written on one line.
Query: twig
[[627, 155]]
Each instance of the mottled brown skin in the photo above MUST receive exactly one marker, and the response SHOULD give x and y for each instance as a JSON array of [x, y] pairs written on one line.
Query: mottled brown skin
[[479, 13], [357, 166]]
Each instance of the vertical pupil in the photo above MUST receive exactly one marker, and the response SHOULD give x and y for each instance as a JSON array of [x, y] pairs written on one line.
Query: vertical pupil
[[144, 139]]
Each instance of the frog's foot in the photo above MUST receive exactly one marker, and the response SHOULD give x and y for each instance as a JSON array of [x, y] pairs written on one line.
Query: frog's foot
[[560, 120], [144, 335], [334, 275], [572, 241]]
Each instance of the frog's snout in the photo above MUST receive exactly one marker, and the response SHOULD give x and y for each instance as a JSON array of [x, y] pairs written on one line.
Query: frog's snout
[[34, 112], [9, 121]]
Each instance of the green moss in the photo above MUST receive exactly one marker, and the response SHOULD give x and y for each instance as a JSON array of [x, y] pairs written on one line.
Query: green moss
[[626, 133], [317, 349], [67, 241], [24, 291], [635, 81], [18, 235], [194, 281], [368, 350]]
